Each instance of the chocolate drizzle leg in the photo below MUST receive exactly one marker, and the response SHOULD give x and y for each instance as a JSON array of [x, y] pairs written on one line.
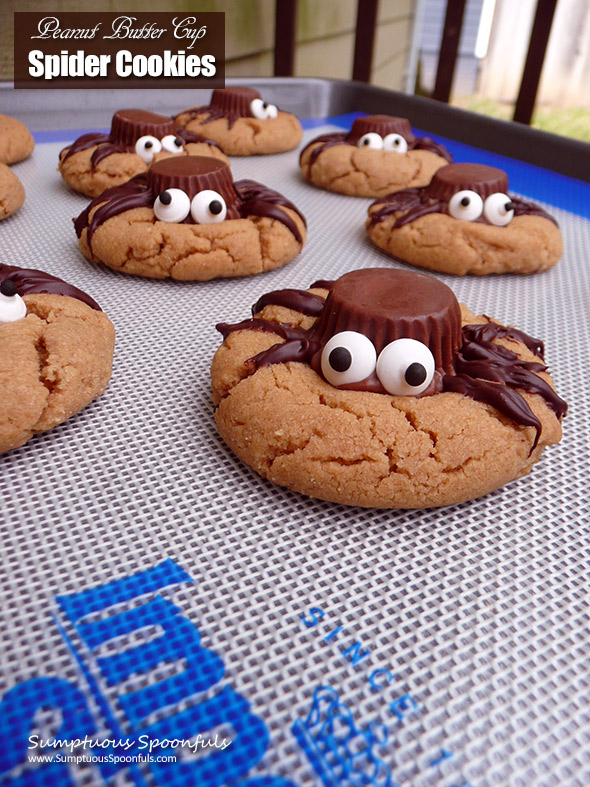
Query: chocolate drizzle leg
[[385, 304], [30, 281], [258, 200]]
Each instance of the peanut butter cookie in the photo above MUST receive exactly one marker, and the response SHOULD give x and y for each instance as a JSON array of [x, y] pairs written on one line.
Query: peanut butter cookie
[[56, 351]]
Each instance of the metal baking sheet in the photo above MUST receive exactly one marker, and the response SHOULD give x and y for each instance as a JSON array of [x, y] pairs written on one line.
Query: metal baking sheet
[[153, 583]]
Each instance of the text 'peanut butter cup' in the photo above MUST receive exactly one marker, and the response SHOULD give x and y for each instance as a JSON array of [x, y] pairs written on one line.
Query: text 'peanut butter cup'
[[385, 305], [382, 125], [480, 178], [193, 174], [128, 125], [234, 100]]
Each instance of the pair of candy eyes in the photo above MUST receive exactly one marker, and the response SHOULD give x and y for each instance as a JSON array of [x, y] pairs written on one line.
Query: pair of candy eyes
[[468, 205], [206, 207], [263, 110], [405, 367], [12, 306], [375, 141], [147, 147]]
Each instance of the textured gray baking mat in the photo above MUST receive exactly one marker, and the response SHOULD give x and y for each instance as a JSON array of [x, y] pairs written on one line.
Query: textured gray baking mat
[[153, 582]]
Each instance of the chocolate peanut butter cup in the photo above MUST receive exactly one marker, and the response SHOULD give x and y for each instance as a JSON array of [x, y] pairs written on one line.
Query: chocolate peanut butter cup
[[235, 100], [480, 178], [193, 174], [392, 304], [128, 125], [382, 125]]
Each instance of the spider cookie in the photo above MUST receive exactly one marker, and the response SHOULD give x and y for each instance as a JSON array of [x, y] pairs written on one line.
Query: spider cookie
[[465, 221], [16, 141], [379, 155], [380, 390], [243, 123], [187, 219], [56, 351], [95, 162]]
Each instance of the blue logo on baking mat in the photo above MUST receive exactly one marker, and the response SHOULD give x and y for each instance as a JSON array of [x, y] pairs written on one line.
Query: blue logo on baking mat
[[151, 687], [342, 754]]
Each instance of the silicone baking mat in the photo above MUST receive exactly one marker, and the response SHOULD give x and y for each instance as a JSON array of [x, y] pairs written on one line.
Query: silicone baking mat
[[154, 585]]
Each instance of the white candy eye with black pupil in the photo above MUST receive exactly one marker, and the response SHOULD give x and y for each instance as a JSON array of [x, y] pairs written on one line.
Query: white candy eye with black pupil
[[466, 205], [405, 367], [262, 109], [347, 358], [147, 147], [208, 207], [173, 206], [498, 209], [396, 143], [371, 140], [172, 144], [12, 306]]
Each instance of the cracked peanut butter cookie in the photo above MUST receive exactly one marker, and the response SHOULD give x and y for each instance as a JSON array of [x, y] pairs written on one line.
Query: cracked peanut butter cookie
[[243, 123], [95, 162], [380, 390], [465, 221], [379, 155], [56, 350], [187, 219]]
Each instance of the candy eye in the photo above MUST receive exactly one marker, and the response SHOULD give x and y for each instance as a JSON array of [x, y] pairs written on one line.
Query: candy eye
[[371, 140], [348, 357], [466, 205], [208, 207], [147, 147], [405, 367], [173, 206], [12, 306], [263, 110], [172, 144], [395, 142], [498, 209]]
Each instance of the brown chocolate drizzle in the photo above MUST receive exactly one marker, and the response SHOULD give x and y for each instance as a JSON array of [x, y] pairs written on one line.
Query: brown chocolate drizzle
[[483, 370], [251, 198], [30, 281], [381, 124], [259, 200], [298, 300]]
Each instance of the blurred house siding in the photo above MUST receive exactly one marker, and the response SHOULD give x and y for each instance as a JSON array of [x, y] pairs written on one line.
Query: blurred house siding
[[325, 33], [466, 70], [565, 80]]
